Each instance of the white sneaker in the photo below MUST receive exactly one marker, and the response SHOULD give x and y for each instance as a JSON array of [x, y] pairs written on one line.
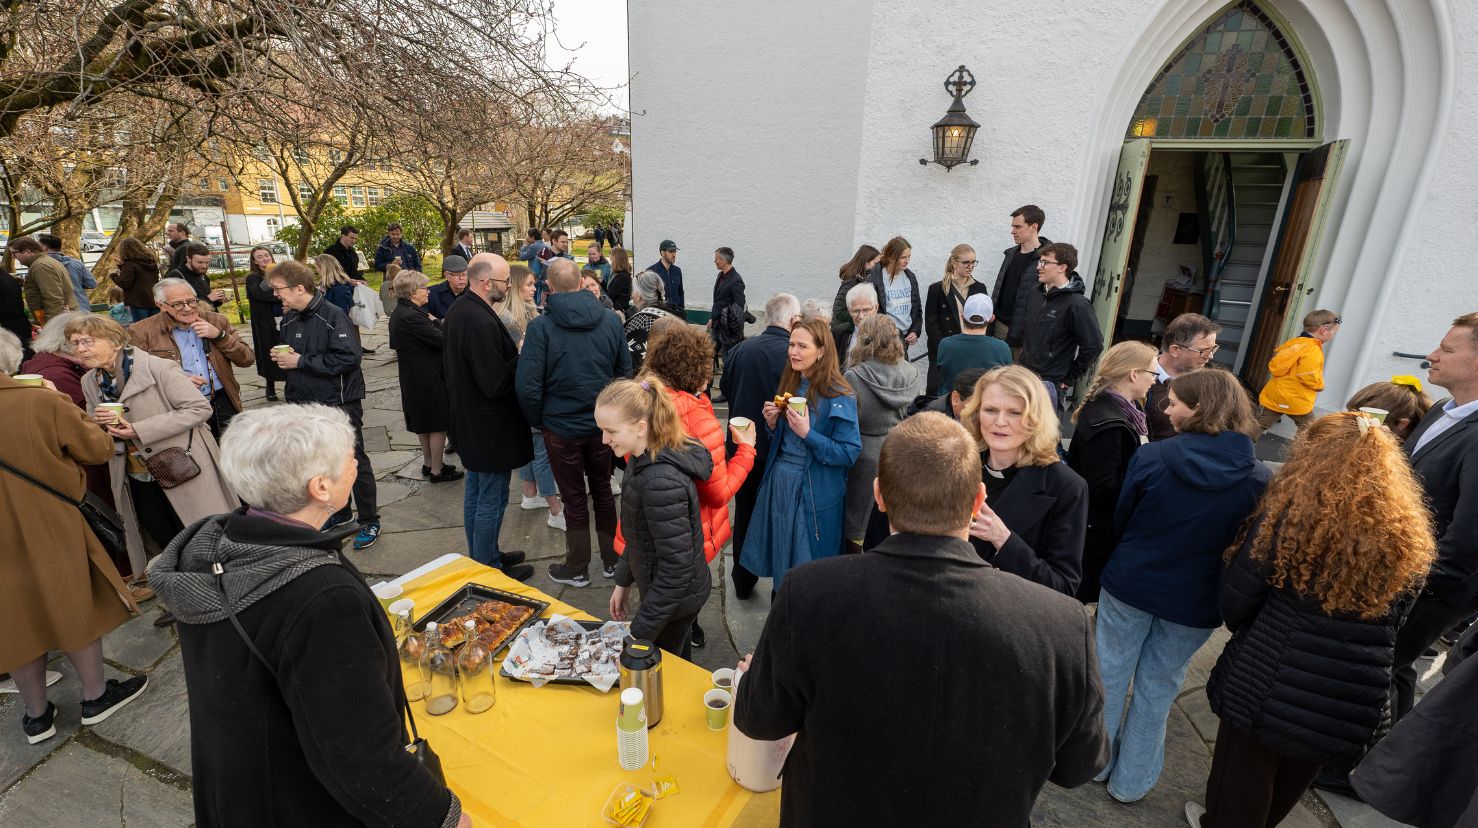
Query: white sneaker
[[615, 487], [557, 522], [532, 503], [1193, 813], [8, 686]]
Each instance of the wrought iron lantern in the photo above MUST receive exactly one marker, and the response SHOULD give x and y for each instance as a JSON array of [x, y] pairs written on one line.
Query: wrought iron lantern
[[955, 132]]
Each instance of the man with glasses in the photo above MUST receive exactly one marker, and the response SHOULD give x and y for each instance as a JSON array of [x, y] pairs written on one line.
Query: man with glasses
[[1062, 339], [1187, 345], [1296, 373], [493, 438], [201, 341], [324, 367], [1017, 276]]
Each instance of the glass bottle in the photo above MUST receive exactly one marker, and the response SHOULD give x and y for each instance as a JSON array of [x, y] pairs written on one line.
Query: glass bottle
[[475, 673], [412, 647], [440, 668]]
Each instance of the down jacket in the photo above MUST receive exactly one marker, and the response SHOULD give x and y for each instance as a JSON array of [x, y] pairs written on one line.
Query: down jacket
[[1296, 679], [664, 536], [1296, 376]]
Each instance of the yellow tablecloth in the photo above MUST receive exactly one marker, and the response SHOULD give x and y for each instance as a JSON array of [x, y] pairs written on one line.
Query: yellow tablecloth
[[546, 757]]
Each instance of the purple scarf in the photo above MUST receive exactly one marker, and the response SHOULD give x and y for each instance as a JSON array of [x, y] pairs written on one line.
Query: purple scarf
[[1132, 411]]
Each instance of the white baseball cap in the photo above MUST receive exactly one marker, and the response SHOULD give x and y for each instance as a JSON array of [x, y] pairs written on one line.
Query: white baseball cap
[[979, 309]]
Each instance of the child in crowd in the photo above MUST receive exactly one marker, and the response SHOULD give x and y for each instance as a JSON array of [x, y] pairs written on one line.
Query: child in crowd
[[660, 516], [1296, 373], [1402, 399], [116, 308]]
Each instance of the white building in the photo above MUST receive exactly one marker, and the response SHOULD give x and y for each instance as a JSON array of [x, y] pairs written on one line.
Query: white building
[[792, 132]]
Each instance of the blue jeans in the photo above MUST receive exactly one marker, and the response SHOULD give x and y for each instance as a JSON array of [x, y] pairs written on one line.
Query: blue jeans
[[140, 314], [482, 514], [1154, 653], [538, 469]]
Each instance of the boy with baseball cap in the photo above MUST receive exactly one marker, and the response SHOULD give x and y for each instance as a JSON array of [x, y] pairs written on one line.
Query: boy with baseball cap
[[971, 348]]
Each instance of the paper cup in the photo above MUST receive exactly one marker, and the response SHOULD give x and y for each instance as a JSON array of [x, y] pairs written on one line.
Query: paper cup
[[116, 408], [741, 423], [282, 349], [797, 404], [1379, 414], [30, 379], [402, 605], [387, 593], [723, 679], [716, 705]]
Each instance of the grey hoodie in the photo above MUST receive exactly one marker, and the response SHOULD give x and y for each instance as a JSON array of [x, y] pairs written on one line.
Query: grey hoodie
[[883, 394]]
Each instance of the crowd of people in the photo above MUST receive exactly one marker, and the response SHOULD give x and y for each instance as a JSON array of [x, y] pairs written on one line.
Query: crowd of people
[[996, 536]]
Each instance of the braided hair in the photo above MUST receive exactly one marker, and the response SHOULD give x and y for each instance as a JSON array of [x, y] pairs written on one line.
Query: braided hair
[[1116, 365]]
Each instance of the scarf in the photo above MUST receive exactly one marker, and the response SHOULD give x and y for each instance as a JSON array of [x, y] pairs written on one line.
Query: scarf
[[1132, 411]]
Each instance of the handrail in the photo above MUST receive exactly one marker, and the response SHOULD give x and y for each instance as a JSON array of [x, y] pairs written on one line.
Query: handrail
[[1422, 357], [1213, 279]]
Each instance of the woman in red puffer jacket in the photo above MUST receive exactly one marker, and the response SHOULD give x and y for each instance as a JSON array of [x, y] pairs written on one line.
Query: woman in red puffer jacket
[[681, 355]]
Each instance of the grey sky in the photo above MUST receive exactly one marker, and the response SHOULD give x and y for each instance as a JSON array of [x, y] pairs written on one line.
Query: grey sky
[[593, 34]]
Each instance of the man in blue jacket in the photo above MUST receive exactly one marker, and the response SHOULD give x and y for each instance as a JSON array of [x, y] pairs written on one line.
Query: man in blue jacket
[[569, 354], [439, 299], [82, 280], [672, 275], [394, 248]]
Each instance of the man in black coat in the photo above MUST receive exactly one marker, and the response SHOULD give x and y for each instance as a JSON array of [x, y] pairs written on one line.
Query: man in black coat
[[343, 250], [195, 271], [1444, 455], [493, 438], [1063, 339], [926, 686], [1017, 276], [463, 247], [752, 376], [569, 354], [323, 368], [726, 316]]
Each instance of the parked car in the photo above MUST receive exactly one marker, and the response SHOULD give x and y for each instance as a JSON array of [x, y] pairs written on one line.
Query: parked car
[[94, 242]]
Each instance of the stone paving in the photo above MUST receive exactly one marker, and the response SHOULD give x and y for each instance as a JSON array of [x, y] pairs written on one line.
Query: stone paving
[[134, 769]]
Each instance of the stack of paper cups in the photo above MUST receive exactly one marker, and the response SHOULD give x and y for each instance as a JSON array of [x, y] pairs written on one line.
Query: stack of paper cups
[[631, 730]]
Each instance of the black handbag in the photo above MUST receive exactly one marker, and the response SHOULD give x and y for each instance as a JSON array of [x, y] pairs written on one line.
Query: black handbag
[[105, 523], [417, 747]]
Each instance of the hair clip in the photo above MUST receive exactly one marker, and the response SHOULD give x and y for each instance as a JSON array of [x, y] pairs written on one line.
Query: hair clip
[[1364, 422], [645, 386], [1408, 381]]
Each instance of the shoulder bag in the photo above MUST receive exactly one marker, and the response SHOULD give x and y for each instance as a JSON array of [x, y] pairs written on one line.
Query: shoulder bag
[[418, 747], [173, 466], [104, 522]]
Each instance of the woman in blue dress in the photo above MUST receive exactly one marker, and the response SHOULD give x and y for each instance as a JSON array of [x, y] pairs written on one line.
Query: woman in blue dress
[[801, 504]]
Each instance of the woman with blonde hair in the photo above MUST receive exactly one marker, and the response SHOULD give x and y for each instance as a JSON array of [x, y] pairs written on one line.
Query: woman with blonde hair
[[1111, 424], [660, 515], [517, 311], [1403, 400], [945, 303], [336, 285], [1314, 590], [1036, 508], [879, 371], [801, 505], [1182, 503]]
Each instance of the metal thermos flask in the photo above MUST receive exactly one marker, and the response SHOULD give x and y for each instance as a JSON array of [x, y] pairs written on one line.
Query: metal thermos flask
[[641, 667]]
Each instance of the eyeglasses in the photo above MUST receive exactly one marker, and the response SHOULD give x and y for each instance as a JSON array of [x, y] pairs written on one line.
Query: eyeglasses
[[1045, 262], [1205, 353], [184, 303], [966, 263], [83, 343]]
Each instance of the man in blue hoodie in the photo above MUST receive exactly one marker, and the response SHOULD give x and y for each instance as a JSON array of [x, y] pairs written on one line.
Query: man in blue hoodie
[[569, 354]]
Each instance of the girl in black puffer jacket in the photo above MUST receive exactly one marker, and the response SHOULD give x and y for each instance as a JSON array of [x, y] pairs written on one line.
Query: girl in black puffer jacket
[[660, 517], [1313, 594]]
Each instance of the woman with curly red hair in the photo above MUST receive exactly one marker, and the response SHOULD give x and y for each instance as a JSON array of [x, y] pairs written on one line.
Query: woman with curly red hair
[[1314, 590]]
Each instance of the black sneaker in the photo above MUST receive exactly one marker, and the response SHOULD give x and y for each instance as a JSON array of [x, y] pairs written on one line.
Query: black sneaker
[[448, 474], [561, 574], [697, 638], [42, 727], [117, 694], [608, 570], [518, 572], [511, 558]]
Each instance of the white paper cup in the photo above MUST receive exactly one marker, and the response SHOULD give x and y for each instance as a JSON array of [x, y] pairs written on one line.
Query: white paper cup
[[741, 423], [30, 379], [402, 605], [387, 593], [1379, 414]]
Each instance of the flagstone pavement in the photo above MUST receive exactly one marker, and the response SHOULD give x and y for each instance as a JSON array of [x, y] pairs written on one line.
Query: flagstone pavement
[[134, 769]]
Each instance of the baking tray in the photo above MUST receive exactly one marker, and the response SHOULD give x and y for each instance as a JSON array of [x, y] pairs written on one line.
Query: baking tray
[[468, 597], [503, 668]]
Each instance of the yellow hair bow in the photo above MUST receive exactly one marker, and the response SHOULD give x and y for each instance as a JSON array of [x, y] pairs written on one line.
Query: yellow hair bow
[[1407, 380]]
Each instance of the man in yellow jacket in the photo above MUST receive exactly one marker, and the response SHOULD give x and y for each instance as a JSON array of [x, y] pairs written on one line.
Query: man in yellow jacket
[[1297, 373]]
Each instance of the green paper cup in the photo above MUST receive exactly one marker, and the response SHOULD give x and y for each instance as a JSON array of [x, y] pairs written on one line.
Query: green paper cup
[[282, 349], [723, 679], [30, 379], [116, 408], [387, 593], [716, 704], [1379, 414], [797, 404]]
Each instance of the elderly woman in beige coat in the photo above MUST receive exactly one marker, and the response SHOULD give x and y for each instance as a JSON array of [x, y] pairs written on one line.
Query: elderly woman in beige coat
[[59, 589], [162, 409]]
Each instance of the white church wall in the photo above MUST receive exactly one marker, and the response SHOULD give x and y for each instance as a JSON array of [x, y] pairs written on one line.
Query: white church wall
[[746, 121]]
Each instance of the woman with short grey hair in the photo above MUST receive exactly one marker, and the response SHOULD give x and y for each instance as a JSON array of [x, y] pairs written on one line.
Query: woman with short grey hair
[[300, 694], [649, 297], [10, 354], [416, 340]]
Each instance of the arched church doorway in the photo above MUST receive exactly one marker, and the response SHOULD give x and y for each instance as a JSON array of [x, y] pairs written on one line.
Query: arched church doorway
[[1221, 193]]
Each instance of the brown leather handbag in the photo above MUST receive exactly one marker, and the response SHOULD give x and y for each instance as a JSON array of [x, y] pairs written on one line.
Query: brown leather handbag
[[173, 466]]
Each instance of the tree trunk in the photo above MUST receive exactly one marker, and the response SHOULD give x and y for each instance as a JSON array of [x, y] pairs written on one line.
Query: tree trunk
[[69, 230], [449, 227]]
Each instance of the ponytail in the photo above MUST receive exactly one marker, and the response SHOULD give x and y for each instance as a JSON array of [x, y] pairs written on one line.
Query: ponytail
[[647, 400]]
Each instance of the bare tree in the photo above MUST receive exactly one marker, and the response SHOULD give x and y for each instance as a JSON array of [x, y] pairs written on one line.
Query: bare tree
[[558, 167]]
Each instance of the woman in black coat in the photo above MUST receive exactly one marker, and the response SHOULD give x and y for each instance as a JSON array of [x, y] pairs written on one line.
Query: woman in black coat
[[416, 340], [265, 311], [946, 300], [660, 516], [1111, 424], [852, 274], [1313, 594], [1036, 508], [13, 316]]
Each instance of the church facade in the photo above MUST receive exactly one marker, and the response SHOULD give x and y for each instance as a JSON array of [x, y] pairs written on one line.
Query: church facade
[[1252, 160]]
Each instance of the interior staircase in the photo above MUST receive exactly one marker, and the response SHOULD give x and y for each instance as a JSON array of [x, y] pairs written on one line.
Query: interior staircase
[[1243, 190]]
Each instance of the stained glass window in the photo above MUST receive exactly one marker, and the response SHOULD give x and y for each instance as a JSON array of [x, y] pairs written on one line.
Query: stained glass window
[[1238, 78]]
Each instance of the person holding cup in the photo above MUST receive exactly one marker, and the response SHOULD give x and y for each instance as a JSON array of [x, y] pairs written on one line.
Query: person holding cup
[[801, 505]]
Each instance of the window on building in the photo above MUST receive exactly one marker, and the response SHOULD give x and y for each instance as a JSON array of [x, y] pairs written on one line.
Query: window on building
[[300, 155], [1240, 77], [223, 185], [335, 156], [356, 196], [305, 191], [374, 196], [204, 184], [341, 195], [267, 190], [261, 153], [272, 227]]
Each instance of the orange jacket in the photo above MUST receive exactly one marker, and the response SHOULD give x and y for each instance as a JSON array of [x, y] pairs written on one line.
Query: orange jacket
[[728, 475], [1297, 369]]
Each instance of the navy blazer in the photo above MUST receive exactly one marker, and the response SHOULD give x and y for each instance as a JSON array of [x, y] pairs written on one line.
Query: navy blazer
[[1448, 470], [1046, 509]]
